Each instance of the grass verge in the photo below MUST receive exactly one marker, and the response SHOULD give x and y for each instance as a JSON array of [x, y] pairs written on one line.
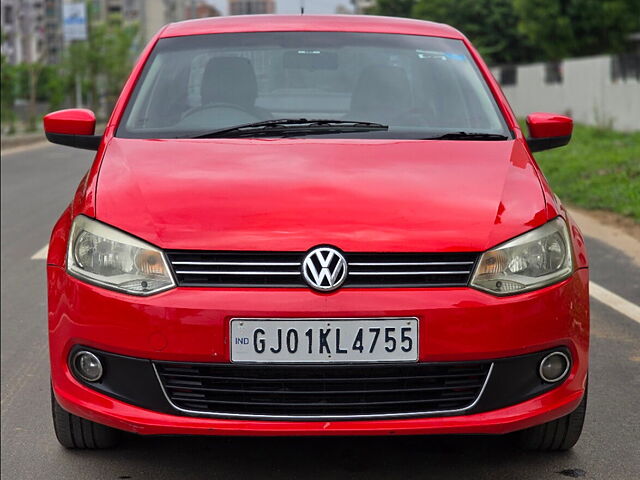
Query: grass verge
[[599, 169]]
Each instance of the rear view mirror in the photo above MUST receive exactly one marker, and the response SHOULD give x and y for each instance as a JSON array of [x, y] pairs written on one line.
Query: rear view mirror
[[548, 130], [74, 127], [311, 60]]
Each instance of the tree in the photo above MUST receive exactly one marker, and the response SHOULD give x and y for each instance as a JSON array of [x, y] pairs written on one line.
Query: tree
[[53, 86], [516, 31], [492, 26], [34, 69], [119, 57], [566, 28], [393, 8], [102, 62], [7, 92]]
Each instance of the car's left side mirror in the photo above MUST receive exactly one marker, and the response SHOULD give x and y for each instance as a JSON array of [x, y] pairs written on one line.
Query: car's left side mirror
[[74, 127], [548, 130]]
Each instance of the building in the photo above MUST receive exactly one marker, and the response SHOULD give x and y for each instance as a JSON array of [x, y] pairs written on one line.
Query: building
[[343, 10], [151, 15], [361, 6], [31, 30], [10, 31], [201, 10], [251, 7]]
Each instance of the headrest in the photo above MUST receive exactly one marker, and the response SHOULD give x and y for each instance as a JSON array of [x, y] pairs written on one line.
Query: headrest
[[380, 88], [229, 80]]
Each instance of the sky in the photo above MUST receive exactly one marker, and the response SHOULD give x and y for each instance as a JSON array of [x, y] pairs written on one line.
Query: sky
[[293, 6]]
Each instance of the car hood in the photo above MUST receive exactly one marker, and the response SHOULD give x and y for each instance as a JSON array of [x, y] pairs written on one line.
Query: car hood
[[293, 194]]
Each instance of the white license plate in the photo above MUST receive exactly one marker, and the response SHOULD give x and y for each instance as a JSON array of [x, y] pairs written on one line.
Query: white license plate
[[324, 340]]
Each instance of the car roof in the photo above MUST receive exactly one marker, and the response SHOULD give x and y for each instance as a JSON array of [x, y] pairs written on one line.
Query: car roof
[[310, 23]]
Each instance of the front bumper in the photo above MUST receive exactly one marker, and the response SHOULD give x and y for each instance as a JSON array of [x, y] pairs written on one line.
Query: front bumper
[[191, 325]]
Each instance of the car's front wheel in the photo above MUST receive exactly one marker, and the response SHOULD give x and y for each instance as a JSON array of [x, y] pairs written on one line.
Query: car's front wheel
[[557, 435], [76, 432]]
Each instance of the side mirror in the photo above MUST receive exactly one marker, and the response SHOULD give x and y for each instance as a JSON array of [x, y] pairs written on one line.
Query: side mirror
[[74, 127], [548, 130]]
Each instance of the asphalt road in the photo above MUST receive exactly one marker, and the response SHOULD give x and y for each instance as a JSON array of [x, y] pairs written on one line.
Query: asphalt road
[[36, 186]]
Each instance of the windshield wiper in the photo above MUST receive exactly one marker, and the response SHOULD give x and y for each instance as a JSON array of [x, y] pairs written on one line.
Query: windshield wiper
[[291, 127], [469, 136]]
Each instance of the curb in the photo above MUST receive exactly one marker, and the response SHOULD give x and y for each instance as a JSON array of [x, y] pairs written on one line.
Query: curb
[[613, 236], [11, 143], [26, 139]]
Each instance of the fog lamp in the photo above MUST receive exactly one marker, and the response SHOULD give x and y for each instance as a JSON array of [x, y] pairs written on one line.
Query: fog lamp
[[87, 366], [554, 367]]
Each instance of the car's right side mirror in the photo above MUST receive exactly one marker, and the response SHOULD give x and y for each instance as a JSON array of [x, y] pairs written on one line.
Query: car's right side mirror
[[548, 130]]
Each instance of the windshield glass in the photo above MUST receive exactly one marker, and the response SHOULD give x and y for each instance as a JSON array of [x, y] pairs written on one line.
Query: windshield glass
[[420, 87]]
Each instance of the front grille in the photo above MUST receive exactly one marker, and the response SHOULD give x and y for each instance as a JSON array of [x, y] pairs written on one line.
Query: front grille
[[322, 391], [282, 269]]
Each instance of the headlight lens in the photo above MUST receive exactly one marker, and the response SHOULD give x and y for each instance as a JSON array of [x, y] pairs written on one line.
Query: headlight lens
[[108, 257], [533, 260]]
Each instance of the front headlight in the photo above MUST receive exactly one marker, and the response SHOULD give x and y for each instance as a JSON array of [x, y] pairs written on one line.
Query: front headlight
[[110, 258], [533, 260]]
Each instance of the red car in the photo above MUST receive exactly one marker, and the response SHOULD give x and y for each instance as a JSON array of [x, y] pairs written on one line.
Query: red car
[[315, 225]]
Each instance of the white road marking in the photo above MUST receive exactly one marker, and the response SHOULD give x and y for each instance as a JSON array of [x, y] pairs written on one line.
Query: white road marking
[[41, 254], [601, 294], [614, 301]]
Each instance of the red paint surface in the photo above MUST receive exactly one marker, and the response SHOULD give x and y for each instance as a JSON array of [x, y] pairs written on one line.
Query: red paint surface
[[545, 125], [73, 121], [292, 194], [309, 23]]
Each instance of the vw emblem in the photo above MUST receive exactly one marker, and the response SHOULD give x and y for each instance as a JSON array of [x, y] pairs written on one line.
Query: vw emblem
[[324, 268]]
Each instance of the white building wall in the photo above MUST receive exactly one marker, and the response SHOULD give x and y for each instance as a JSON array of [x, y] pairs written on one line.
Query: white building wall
[[153, 17], [587, 93]]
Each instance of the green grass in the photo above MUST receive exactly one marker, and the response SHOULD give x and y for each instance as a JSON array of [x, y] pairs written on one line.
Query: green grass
[[599, 169]]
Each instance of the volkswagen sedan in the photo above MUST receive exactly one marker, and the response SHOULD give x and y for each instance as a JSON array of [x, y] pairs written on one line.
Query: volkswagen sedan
[[308, 225]]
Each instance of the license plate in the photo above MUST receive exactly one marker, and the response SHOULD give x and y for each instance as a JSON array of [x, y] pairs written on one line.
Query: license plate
[[324, 340]]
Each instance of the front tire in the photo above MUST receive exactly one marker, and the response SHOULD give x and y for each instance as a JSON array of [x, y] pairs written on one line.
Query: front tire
[[78, 433], [558, 435]]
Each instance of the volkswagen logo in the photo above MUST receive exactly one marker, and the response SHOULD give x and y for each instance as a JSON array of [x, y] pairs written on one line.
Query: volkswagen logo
[[324, 268]]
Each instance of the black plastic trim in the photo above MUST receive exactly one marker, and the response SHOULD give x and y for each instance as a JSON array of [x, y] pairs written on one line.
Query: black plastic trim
[[86, 142], [515, 380], [547, 143], [132, 380]]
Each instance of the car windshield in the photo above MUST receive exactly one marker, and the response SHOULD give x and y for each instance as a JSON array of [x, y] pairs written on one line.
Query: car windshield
[[417, 86]]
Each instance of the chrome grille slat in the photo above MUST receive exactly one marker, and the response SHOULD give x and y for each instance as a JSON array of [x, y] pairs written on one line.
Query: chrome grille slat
[[406, 264], [246, 264], [204, 272], [282, 269], [408, 273]]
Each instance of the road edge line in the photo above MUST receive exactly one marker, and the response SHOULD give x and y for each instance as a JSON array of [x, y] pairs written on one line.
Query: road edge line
[[614, 301], [41, 254]]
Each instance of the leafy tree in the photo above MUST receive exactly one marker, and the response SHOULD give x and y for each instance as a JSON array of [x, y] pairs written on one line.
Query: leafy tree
[[102, 62], [53, 86], [393, 8], [515, 31], [21, 82], [119, 58], [101, 65], [7, 92], [566, 28], [492, 25]]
